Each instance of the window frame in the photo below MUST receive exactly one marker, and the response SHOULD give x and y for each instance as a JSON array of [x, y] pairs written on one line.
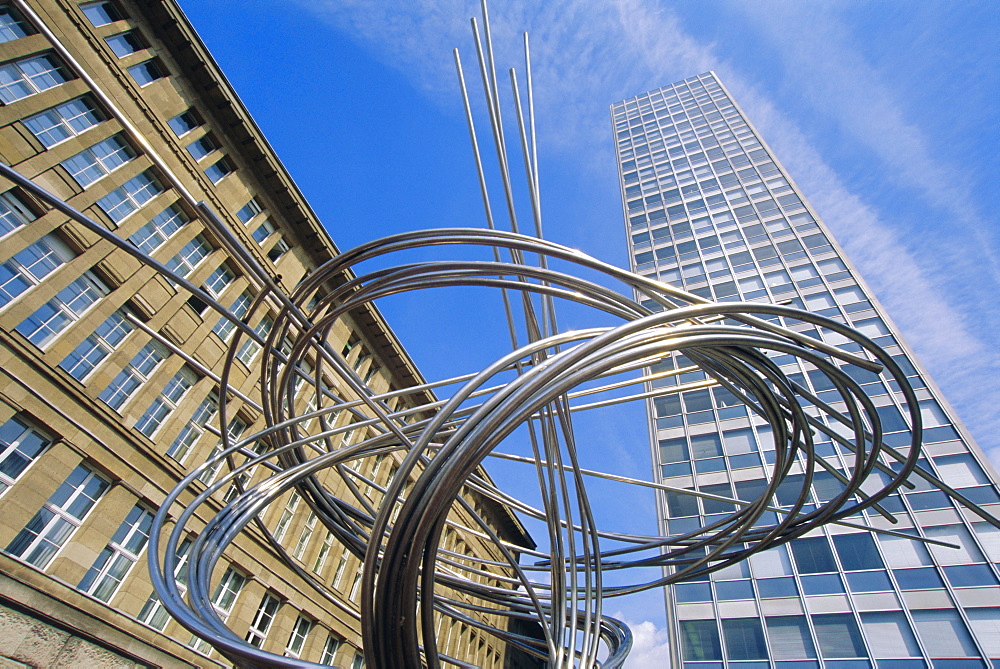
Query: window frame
[[66, 122], [14, 447], [121, 554], [135, 370], [28, 81], [60, 518], [66, 307], [267, 611], [167, 402]]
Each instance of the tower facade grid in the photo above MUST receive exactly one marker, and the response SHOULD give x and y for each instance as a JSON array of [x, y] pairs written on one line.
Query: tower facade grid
[[709, 207]]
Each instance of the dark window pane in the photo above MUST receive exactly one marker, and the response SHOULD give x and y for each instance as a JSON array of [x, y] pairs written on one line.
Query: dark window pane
[[744, 639], [838, 636], [857, 551], [813, 555], [700, 640], [706, 446]]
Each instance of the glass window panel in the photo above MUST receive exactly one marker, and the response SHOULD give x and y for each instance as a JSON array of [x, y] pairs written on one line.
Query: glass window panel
[[813, 555], [673, 450], [868, 581], [970, 575], [737, 442], [705, 446], [744, 639], [958, 535], [790, 638], [838, 636], [700, 641], [944, 634], [821, 584], [777, 587], [734, 590], [715, 506], [985, 625], [960, 471], [772, 562], [101, 13], [857, 551], [900, 552], [891, 634]]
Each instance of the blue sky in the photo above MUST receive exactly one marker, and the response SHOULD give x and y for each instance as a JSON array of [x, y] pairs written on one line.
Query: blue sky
[[884, 113]]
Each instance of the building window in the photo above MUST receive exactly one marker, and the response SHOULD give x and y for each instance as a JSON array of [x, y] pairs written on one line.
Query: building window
[[744, 639], [130, 196], [185, 122], [227, 591], [244, 477], [67, 307], [147, 72], [223, 600], [136, 373], [890, 635], [338, 575], [700, 641], [153, 612], [167, 402], [188, 258], [13, 214], [240, 308], [279, 249], [324, 552], [838, 636], [219, 280], [250, 348], [24, 78], [194, 428], [63, 121], [286, 516], [125, 44], [944, 634], [13, 26], [297, 639], [218, 170], [20, 445], [59, 518], [95, 348], [985, 623], [356, 585], [99, 160], [330, 648], [149, 237], [268, 608], [263, 231], [304, 536], [102, 13], [200, 148], [27, 268], [237, 426], [359, 661], [113, 564], [249, 210]]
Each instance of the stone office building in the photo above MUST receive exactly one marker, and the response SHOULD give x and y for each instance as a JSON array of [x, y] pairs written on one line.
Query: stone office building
[[108, 372]]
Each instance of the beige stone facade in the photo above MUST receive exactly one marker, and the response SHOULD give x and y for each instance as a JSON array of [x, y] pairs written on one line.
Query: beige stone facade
[[117, 108]]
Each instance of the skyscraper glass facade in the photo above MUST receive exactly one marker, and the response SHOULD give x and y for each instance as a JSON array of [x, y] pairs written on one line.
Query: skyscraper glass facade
[[708, 207]]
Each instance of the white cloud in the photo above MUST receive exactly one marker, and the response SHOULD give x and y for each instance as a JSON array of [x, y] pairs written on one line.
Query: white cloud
[[650, 647]]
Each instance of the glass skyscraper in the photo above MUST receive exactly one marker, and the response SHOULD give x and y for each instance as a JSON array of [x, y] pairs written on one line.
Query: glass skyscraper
[[709, 207]]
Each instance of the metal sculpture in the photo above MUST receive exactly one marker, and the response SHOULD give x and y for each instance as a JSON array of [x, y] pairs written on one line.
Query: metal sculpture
[[410, 579]]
